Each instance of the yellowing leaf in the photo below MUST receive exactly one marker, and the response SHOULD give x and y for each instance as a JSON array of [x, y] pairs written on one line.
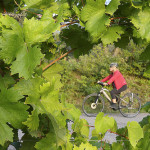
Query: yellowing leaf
[[104, 123], [135, 132]]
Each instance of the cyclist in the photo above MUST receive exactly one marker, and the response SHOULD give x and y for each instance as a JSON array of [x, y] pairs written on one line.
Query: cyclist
[[118, 82]]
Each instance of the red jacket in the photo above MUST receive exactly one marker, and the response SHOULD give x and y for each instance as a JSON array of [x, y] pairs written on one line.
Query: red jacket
[[117, 78]]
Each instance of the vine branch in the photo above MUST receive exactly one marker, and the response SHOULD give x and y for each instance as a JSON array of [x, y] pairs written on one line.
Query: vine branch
[[58, 59]]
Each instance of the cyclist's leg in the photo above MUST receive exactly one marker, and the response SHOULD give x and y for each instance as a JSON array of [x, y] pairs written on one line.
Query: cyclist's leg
[[113, 95], [123, 88], [114, 92]]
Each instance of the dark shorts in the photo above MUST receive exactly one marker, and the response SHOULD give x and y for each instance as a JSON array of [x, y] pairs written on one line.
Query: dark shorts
[[115, 92]]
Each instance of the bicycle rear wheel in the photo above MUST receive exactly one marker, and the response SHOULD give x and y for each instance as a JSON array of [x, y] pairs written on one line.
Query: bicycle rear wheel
[[93, 104], [130, 105]]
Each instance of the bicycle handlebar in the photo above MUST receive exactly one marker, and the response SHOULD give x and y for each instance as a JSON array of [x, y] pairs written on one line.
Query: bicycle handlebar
[[101, 83]]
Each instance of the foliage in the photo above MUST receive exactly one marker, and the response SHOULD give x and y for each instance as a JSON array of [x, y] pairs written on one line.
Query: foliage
[[80, 75], [29, 97]]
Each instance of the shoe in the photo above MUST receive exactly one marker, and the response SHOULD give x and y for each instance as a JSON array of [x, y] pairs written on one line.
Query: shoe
[[114, 106]]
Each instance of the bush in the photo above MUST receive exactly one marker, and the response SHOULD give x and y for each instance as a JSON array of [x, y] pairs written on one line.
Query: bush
[[80, 75]]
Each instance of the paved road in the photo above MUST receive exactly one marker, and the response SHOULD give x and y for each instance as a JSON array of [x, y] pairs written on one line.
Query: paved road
[[121, 122]]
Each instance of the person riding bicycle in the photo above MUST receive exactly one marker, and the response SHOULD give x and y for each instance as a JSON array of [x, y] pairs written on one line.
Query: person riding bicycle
[[118, 82]]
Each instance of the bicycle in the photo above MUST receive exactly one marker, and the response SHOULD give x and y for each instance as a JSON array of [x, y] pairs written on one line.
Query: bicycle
[[129, 105]]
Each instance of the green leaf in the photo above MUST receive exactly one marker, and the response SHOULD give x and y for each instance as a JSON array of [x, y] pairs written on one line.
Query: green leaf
[[85, 146], [6, 133], [104, 123], [81, 127], [137, 3], [53, 73], [146, 107], [123, 42], [28, 142], [12, 39], [77, 38], [135, 132], [41, 4], [32, 121], [117, 146], [29, 87], [112, 6], [11, 111], [55, 138], [38, 30], [112, 35], [71, 112], [142, 23], [18, 50], [26, 62], [144, 143], [94, 14], [6, 81]]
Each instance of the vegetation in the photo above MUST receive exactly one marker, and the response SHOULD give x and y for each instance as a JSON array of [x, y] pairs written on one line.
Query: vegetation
[[80, 75], [30, 97]]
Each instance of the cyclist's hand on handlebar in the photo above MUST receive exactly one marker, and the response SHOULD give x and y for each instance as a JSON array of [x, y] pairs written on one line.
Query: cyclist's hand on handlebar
[[98, 81], [105, 84]]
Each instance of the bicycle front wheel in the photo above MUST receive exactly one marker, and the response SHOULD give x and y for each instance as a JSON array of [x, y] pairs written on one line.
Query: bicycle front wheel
[[130, 105], [93, 104]]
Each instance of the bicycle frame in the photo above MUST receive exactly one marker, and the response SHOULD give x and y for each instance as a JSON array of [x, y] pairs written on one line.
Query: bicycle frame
[[103, 91]]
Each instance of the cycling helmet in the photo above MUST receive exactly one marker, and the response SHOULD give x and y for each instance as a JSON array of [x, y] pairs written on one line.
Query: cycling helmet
[[114, 64]]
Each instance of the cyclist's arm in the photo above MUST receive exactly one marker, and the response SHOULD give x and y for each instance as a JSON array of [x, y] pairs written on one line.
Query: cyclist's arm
[[114, 77], [107, 78]]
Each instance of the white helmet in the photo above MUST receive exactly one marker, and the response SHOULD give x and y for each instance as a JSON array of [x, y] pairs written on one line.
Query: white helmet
[[114, 64]]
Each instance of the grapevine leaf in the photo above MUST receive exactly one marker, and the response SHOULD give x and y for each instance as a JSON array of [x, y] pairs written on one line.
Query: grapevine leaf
[[11, 111], [146, 107], [77, 11], [12, 40], [38, 30], [15, 50], [104, 123], [29, 87], [41, 4], [56, 137], [117, 146], [71, 112], [77, 38], [112, 35], [112, 6], [123, 42], [81, 127], [28, 142], [26, 62], [144, 143], [6, 133], [33, 121], [6, 81], [137, 3], [135, 132], [53, 72], [142, 23], [14, 112], [95, 17], [85, 146]]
